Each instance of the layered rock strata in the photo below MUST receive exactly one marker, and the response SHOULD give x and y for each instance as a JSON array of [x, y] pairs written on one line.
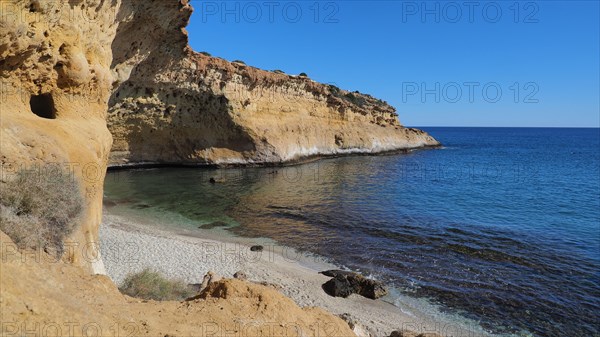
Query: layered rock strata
[[171, 105]]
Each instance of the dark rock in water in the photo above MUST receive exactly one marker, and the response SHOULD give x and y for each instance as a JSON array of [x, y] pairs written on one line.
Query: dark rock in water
[[214, 225], [372, 289], [345, 283], [240, 275], [212, 180], [257, 248]]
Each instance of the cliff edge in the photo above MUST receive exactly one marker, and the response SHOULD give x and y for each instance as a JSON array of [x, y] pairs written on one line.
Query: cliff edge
[[171, 105]]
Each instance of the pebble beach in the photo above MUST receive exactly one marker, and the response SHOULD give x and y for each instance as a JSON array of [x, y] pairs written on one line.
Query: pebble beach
[[129, 247]]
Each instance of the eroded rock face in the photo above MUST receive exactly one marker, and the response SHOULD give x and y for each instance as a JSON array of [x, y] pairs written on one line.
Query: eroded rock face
[[174, 106], [55, 82]]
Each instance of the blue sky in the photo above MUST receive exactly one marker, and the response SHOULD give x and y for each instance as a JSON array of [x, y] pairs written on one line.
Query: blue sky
[[478, 63]]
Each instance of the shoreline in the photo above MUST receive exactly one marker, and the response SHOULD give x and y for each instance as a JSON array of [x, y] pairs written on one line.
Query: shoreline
[[128, 246], [293, 162]]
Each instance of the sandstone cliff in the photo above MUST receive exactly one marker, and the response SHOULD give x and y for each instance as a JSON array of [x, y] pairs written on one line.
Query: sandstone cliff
[[171, 105], [55, 83]]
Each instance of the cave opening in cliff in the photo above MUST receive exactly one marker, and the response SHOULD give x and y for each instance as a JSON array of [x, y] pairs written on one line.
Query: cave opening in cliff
[[43, 106]]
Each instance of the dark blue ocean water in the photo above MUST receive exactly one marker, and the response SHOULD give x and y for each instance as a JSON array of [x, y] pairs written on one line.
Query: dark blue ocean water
[[502, 225]]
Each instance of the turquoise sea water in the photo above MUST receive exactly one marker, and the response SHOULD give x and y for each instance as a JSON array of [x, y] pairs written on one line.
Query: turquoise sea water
[[501, 226]]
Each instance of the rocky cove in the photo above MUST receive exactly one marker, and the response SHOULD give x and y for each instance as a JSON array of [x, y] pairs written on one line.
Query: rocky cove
[[114, 83]]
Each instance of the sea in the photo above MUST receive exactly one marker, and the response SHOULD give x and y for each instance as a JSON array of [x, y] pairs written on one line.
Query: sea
[[500, 226]]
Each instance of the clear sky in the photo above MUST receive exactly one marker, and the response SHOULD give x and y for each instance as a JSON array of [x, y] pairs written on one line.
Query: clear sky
[[462, 63]]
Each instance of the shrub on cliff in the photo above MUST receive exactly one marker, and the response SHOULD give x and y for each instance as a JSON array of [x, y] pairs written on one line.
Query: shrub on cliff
[[334, 90], [205, 53], [354, 99], [151, 285], [39, 208], [303, 75]]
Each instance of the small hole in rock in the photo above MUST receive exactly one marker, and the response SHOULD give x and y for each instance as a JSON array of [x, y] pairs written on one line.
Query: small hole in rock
[[43, 106]]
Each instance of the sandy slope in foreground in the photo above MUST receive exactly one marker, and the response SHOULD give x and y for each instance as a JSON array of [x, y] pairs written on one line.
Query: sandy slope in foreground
[[44, 298], [129, 247]]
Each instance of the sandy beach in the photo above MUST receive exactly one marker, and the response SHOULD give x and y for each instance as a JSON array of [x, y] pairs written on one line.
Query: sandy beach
[[129, 247]]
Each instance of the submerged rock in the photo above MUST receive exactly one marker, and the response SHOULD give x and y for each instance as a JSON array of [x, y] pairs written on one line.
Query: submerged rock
[[346, 283], [214, 180], [214, 224]]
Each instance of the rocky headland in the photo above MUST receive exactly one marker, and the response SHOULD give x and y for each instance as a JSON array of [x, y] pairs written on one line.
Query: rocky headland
[[172, 105]]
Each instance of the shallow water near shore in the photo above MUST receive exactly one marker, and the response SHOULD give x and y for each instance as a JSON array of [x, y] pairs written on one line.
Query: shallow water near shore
[[501, 226]]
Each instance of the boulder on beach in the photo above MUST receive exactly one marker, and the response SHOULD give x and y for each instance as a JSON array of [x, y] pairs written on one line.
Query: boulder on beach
[[257, 248], [346, 283]]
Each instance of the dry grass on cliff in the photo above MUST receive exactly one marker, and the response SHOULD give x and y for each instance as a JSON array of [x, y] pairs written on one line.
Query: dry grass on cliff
[[39, 208], [151, 285]]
